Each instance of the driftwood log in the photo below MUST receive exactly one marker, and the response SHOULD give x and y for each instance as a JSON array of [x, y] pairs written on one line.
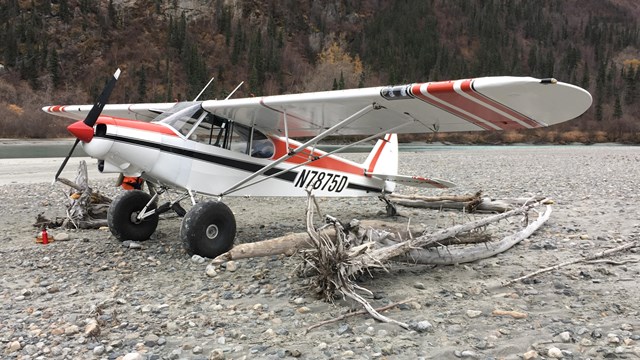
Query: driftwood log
[[468, 203], [386, 236], [86, 209], [338, 261]]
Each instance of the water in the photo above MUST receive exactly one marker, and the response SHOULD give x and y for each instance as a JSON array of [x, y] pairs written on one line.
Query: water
[[19, 149]]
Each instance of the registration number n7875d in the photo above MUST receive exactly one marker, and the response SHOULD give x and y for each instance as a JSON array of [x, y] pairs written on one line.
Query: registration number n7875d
[[320, 180]]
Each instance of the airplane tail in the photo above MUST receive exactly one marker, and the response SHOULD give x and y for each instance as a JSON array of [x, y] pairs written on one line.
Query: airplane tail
[[382, 163], [383, 159]]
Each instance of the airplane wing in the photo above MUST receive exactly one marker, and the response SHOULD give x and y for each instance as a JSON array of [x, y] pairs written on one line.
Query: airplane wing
[[144, 112], [490, 103]]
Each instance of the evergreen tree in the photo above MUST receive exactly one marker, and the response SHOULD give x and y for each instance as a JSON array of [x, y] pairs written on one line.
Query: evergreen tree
[[113, 14], [142, 84], [64, 12], [630, 92], [341, 84], [54, 69], [617, 108]]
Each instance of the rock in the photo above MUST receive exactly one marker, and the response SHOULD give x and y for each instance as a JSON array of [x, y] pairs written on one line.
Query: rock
[[134, 245], [71, 330], [62, 237], [421, 326], [211, 270], [216, 354], [419, 285], [198, 259], [470, 354], [564, 337], [92, 329], [14, 346], [231, 266], [133, 356], [197, 350], [344, 329], [151, 340], [473, 313], [530, 355], [98, 350], [555, 353]]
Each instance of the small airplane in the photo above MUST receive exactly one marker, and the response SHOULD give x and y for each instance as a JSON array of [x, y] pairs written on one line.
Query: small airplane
[[246, 146]]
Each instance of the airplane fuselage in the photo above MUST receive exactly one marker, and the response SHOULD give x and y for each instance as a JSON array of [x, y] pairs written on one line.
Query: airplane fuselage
[[163, 155]]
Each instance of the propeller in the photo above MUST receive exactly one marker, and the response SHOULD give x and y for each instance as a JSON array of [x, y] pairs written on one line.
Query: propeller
[[83, 130]]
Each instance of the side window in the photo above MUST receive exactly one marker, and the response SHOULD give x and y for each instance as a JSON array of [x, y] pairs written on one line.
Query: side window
[[239, 138], [209, 131], [261, 146]]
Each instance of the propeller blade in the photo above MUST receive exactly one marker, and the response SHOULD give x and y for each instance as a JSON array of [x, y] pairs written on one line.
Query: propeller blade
[[93, 115], [64, 163]]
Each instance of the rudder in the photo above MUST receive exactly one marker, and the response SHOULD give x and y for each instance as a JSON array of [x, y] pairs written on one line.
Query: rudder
[[383, 159]]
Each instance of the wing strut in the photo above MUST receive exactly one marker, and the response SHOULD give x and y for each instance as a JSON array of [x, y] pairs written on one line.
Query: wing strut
[[385, 131], [293, 152]]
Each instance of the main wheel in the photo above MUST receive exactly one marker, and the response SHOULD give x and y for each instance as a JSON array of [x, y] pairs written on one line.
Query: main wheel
[[208, 229], [123, 213]]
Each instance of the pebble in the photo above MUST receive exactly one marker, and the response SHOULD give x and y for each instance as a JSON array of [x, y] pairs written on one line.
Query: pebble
[[211, 270], [62, 236], [198, 259], [14, 346], [421, 326], [473, 313], [555, 353], [564, 337], [231, 266], [154, 301]]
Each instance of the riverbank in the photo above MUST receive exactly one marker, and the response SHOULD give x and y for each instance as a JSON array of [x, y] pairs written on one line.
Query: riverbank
[[154, 300]]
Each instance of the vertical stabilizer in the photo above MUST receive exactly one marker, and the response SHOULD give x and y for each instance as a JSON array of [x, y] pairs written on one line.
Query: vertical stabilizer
[[383, 159]]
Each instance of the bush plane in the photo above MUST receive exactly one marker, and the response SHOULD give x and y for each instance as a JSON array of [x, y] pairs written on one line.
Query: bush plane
[[247, 146]]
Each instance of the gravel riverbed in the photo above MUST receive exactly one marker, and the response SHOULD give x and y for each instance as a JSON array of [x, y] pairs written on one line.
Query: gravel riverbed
[[93, 297]]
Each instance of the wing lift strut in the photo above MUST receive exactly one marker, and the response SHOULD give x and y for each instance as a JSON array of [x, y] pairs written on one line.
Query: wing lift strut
[[313, 142]]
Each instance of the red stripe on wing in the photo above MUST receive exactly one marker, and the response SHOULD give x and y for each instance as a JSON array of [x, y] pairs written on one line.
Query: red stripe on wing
[[469, 90], [445, 92], [415, 91]]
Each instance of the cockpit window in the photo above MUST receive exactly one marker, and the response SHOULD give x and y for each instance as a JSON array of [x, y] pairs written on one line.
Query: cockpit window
[[195, 123]]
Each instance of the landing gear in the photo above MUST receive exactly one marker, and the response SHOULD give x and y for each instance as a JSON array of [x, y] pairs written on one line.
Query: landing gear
[[208, 229], [124, 220]]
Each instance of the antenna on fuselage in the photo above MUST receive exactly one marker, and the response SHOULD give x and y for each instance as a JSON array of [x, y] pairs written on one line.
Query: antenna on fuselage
[[234, 90], [203, 89]]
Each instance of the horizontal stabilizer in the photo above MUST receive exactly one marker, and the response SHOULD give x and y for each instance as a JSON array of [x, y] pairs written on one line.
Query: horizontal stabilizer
[[417, 181]]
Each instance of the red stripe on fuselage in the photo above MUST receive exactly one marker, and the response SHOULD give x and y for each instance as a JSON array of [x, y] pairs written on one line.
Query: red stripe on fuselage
[[327, 163], [415, 90], [469, 90], [138, 125]]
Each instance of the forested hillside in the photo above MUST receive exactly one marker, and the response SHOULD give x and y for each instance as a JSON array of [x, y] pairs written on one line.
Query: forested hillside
[[62, 51]]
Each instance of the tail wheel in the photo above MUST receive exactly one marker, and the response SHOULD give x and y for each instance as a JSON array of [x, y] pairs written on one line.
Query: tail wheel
[[208, 229], [122, 216]]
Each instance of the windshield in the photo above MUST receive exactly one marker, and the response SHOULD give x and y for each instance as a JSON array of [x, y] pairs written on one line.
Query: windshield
[[182, 117]]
